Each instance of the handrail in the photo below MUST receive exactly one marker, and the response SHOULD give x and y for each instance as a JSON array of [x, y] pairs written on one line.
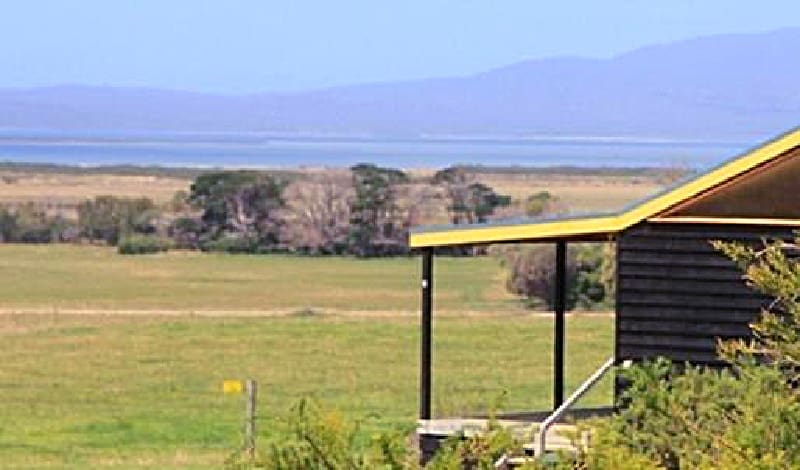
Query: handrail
[[576, 395]]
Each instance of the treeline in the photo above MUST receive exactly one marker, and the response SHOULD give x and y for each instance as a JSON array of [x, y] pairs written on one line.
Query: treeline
[[28, 223], [104, 218], [366, 211]]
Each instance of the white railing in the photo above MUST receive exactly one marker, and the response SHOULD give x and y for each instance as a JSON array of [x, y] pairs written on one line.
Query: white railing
[[541, 441]]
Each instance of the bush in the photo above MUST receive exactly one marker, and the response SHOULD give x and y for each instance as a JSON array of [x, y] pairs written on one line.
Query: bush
[[231, 243], [747, 416], [185, 232], [590, 274], [595, 276], [700, 418], [479, 451], [532, 274], [30, 223], [137, 244], [309, 437], [108, 218], [539, 204]]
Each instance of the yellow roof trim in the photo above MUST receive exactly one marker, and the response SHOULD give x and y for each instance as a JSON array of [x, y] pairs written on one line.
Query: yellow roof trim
[[715, 177], [465, 235], [504, 233], [726, 220]]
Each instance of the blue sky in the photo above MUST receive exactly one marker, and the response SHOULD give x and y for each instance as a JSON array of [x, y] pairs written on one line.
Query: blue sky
[[249, 46]]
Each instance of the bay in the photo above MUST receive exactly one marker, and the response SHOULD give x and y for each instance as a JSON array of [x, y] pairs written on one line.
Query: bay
[[254, 150]]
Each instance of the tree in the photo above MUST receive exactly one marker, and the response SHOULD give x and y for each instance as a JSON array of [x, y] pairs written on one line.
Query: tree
[[374, 227], [30, 223], [108, 218], [8, 225], [242, 205], [98, 219], [416, 204], [454, 181], [319, 215], [468, 201], [482, 202], [179, 202], [539, 204]]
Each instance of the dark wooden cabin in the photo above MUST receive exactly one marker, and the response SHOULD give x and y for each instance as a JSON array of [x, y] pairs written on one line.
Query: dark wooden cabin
[[676, 295]]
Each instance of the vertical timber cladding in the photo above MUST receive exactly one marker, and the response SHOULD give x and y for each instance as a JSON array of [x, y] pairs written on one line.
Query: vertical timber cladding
[[677, 295]]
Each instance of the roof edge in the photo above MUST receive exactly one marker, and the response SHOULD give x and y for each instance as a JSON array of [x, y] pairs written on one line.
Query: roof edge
[[608, 223], [543, 230]]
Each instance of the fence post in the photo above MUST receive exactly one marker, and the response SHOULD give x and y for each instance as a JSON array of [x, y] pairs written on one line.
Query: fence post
[[251, 388]]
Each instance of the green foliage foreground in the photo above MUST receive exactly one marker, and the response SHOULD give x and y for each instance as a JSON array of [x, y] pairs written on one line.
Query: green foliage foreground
[[747, 416], [316, 439]]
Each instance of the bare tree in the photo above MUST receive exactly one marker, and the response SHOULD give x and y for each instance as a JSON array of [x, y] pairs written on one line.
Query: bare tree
[[419, 203], [318, 213]]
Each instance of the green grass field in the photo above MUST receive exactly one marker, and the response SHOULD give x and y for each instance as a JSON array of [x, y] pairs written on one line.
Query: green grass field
[[144, 391], [53, 277]]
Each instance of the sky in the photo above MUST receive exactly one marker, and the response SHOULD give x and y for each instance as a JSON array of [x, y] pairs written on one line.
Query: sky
[[239, 47]]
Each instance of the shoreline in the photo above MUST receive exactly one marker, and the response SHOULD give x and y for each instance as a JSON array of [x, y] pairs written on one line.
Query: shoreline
[[149, 169]]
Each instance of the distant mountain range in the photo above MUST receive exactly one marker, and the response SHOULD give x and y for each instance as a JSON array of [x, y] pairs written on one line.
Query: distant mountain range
[[721, 87]]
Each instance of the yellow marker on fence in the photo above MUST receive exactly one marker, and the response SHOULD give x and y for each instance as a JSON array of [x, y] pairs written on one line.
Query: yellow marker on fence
[[232, 386]]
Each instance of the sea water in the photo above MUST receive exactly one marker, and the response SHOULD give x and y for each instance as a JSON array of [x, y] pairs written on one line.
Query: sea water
[[257, 150]]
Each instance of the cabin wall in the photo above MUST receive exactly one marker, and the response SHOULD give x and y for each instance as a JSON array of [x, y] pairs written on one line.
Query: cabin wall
[[676, 295]]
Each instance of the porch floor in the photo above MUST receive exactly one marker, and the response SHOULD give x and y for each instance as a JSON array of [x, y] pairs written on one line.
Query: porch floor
[[525, 430]]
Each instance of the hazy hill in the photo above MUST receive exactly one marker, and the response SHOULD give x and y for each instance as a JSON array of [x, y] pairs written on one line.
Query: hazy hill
[[727, 86]]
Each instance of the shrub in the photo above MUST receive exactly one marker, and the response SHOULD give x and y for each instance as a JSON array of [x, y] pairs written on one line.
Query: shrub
[[137, 244], [479, 451], [539, 204], [185, 232], [30, 223], [231, 243], [747, 416], [595, 276], [532, 274], [108, 218], [700, 418], [590, 274], [309, 437]]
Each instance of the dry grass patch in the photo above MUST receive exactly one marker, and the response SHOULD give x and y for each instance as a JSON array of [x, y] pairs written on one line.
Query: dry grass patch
[[63, 192]]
